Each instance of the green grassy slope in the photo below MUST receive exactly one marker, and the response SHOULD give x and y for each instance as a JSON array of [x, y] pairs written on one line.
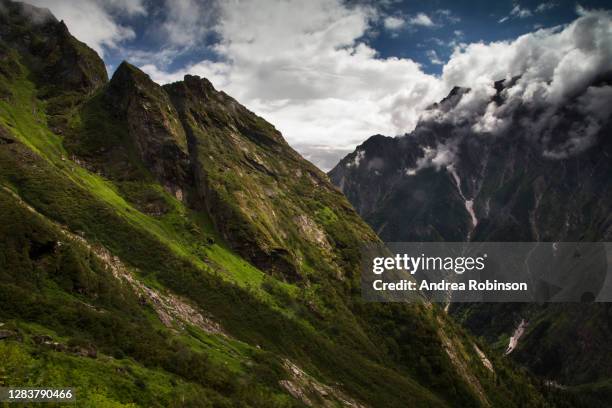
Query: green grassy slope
[[172, 251]]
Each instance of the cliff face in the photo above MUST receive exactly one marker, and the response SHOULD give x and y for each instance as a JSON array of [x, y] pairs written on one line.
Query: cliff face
[[168, 240], [276, 209], [153, 128], [446, 181]]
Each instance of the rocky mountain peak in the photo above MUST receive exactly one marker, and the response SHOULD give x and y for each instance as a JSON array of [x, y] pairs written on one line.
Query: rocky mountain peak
[[58, 60], [451, 100], [199, 85], [128, 78], [456, 169], [200, 98], [24, 12], [152, 124], [62, 28]]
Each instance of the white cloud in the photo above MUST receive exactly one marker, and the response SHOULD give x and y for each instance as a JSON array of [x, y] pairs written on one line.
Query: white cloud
[[421, 19], [437, 41], [448, 16], [542, 7], [553, 63], [520, 12], [92, 21], [325, 156], [595, 105], [394, 23], [517, 12], [437, 157], [553, 71], [434, 58], [130, 7], [581, 11], [456, 41], [186, 21], [162, 58]]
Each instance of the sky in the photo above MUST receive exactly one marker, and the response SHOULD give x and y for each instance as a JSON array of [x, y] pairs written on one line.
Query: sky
[[330, 73]]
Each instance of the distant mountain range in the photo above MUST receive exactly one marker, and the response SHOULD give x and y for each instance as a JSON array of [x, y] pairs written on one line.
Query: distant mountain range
[[513, 171]]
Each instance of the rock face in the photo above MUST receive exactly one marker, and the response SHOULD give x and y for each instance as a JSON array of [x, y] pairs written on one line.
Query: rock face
[[154, 130], [246, 188], [444, 181], [61, 61], [401, 204]]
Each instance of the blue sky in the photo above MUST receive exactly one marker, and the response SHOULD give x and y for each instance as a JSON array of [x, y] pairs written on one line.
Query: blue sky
[[452, 22], [329, 73], [469, 21]]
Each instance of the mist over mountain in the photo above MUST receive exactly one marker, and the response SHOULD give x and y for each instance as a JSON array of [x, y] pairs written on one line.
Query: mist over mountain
[[474, 171]]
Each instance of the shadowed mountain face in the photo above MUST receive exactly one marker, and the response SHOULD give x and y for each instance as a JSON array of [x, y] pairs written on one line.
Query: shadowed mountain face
[[542, 175], [445, 181], [164, 246]]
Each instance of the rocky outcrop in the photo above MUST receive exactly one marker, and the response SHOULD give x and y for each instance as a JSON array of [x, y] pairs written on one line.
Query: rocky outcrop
[[59, 61], [152, 126], [313, 393], [245, 174], [7, 334]]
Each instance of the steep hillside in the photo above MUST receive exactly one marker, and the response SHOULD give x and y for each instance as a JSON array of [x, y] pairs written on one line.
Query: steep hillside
[[448, 181], [164, 246]]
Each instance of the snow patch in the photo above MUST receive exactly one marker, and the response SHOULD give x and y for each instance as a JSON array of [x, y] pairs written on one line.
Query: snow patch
[[469, 204]]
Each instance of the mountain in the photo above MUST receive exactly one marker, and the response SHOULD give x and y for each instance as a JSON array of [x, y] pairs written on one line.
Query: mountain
[[164, 246], [525, 172]]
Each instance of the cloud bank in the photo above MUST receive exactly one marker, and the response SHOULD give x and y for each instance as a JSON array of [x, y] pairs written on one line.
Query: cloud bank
[[549, 77], [308, 68]]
